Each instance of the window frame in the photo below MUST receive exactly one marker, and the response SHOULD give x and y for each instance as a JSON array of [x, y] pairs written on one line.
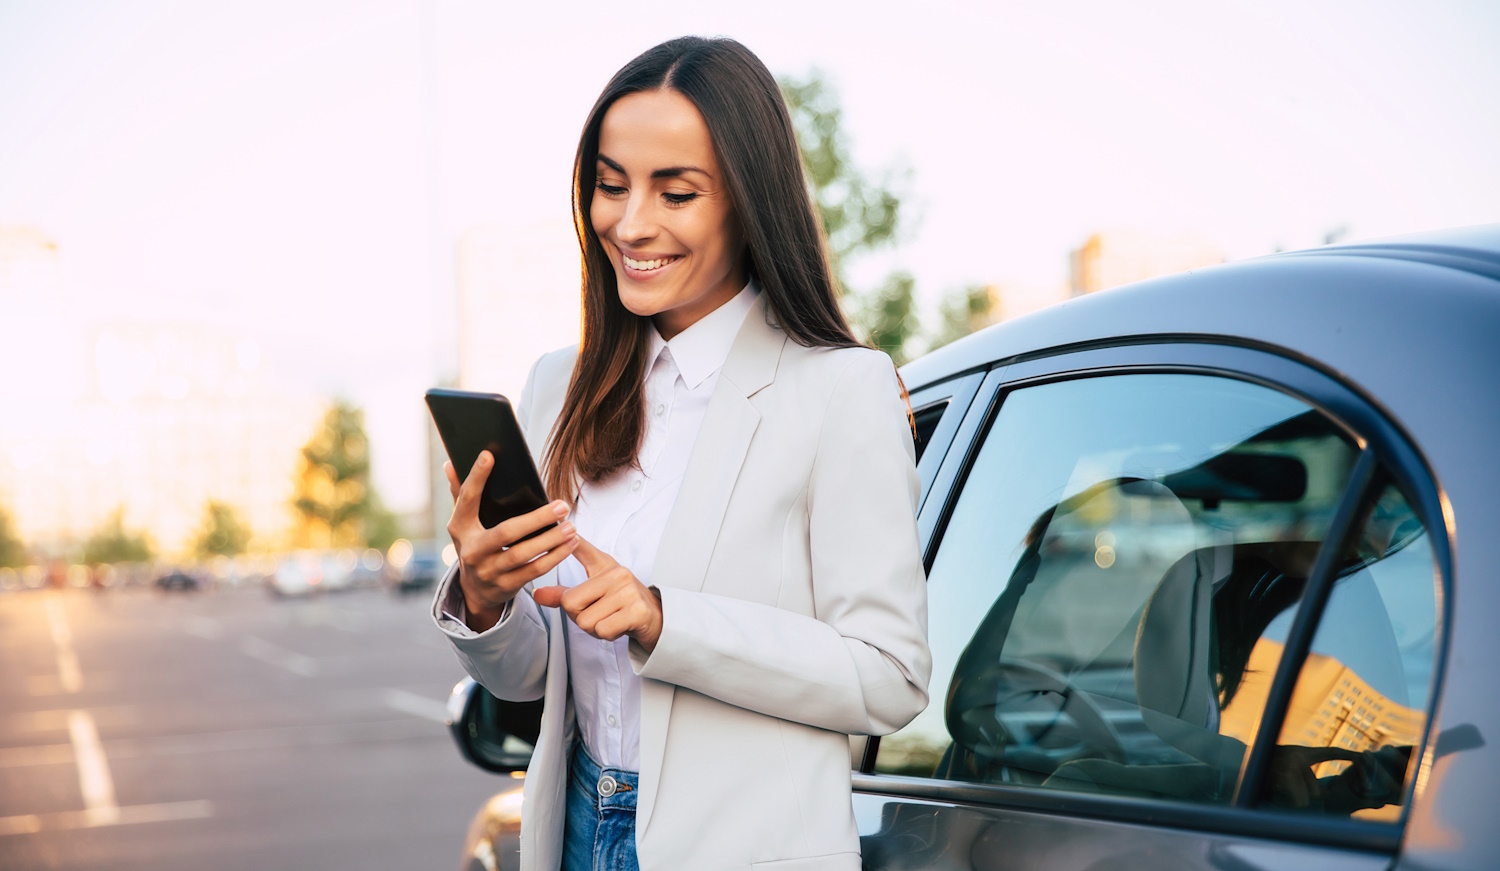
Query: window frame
[[1387, 455], [957, 392]]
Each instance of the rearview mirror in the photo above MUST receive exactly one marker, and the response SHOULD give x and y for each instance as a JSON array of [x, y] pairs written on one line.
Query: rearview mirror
[[493, 734]]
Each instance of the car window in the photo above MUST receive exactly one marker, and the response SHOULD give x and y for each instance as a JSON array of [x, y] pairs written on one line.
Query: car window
[[1117, 550], [926, 421], [1358, 709]]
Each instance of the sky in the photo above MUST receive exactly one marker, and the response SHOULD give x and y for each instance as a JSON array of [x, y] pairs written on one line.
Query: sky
[[299, 172]]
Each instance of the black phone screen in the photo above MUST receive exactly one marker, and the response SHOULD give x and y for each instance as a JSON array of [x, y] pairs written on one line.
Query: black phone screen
[[469, 423]]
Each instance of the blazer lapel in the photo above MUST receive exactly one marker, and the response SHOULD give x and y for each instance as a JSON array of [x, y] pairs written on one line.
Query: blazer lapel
[[719, 451], [692, 528]]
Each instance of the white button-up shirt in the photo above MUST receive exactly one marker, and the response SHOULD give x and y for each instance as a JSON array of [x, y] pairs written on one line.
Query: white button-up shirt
[[625, 514]]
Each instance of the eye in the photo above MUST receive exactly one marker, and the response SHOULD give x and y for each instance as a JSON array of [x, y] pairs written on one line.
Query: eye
[[679, 199], [608, 190]]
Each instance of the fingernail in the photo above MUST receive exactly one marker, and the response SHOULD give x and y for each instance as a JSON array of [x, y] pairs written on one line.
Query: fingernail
[[484, 458], [568, 528], [560, 509]]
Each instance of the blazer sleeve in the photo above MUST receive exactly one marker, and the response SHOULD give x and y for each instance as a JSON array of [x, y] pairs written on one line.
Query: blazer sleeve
[[861, 666], [510, 658]]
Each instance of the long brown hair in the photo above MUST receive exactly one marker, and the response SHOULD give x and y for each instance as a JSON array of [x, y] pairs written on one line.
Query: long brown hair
[[603, 417]]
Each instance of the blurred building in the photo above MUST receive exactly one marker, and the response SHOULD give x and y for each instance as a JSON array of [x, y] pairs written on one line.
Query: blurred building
[[154, 418], [1015, 298], [1110, 259]]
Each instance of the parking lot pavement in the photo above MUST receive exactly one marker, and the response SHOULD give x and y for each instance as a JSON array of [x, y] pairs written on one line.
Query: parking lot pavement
[[226, 730]]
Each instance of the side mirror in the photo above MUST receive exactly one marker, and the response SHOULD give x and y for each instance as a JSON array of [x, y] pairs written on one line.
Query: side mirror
[[495, 735]]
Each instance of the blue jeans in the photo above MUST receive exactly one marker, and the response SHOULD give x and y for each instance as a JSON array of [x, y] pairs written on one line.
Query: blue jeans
[[600, 834]]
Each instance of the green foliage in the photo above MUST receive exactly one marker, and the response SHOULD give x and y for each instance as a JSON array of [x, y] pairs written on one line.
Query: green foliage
[[12, 549], [381, 528], [222, 532], [887, 315], [965, 311], [859, 214], [110, 543], [335, 504]]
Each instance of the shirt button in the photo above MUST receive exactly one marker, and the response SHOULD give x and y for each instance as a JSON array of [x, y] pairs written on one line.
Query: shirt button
[[612, 720], [636, 485], [661, 408]]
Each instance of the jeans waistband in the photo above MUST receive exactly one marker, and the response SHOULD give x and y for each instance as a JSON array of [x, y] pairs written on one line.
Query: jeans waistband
[[610, 787]]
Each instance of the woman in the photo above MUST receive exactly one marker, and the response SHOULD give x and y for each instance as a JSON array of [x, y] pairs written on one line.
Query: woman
[[746, 587]]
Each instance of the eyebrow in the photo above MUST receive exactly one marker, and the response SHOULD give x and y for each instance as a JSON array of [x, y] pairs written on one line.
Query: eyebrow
[[669, 172]]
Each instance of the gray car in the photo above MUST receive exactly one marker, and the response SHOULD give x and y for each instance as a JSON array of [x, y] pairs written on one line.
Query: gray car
[[1194, 551]]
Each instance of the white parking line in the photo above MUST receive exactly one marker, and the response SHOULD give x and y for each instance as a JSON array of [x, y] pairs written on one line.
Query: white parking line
[[265, 651], [93, 771], [417, 706], [26, 824], [68, 672]]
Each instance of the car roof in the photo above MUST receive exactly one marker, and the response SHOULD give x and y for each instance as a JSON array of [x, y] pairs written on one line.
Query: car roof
[[1412, 323]]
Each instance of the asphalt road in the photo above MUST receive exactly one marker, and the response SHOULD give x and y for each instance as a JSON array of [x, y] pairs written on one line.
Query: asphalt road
[[224, 730]]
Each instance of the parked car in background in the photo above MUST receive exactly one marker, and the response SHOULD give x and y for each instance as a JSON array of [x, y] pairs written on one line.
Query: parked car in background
[[338, 569], [297, 574], [1209, 568], [369, 571], [178, 579], [413, 567]]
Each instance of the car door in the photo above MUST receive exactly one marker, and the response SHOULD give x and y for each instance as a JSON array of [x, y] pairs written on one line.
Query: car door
[[1184, 610]]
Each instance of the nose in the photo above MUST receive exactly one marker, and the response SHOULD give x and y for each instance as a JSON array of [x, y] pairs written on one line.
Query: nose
[[637, 224]]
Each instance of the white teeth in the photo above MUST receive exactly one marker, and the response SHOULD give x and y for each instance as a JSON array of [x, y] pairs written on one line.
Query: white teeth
[[647, 265]]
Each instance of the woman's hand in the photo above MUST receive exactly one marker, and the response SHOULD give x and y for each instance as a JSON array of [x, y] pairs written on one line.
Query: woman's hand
[[611, 603], [492, 566]]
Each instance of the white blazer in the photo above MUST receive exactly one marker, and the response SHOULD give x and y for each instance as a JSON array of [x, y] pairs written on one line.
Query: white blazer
[[794, 614]]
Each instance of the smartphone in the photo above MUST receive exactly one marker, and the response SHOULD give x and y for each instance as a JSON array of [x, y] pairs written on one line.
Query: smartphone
[[471, 422]]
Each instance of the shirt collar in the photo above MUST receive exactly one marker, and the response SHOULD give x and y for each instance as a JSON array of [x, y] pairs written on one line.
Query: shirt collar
[[701, 349]]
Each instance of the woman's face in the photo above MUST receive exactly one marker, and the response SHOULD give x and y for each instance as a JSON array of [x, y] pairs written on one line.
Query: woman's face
[[663, 213]]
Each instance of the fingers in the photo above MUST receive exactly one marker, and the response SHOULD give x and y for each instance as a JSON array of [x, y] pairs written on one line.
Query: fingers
[[608, 606], [593, 560], [539, 566], [576, 599], [618, 613], [513, 530], [573, 600], [510, 559], [548, 597]]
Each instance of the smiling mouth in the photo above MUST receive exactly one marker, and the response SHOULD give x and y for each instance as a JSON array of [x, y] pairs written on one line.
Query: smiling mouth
[[649, 265]]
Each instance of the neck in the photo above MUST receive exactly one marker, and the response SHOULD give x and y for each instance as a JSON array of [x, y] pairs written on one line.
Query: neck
[[673, 321]]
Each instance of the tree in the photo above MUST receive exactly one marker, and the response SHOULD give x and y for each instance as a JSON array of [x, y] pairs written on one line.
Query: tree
[[335, 504], [966, 311], [12, 549], [222, 532], [858, 214], [110, 543], [887, 316]]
